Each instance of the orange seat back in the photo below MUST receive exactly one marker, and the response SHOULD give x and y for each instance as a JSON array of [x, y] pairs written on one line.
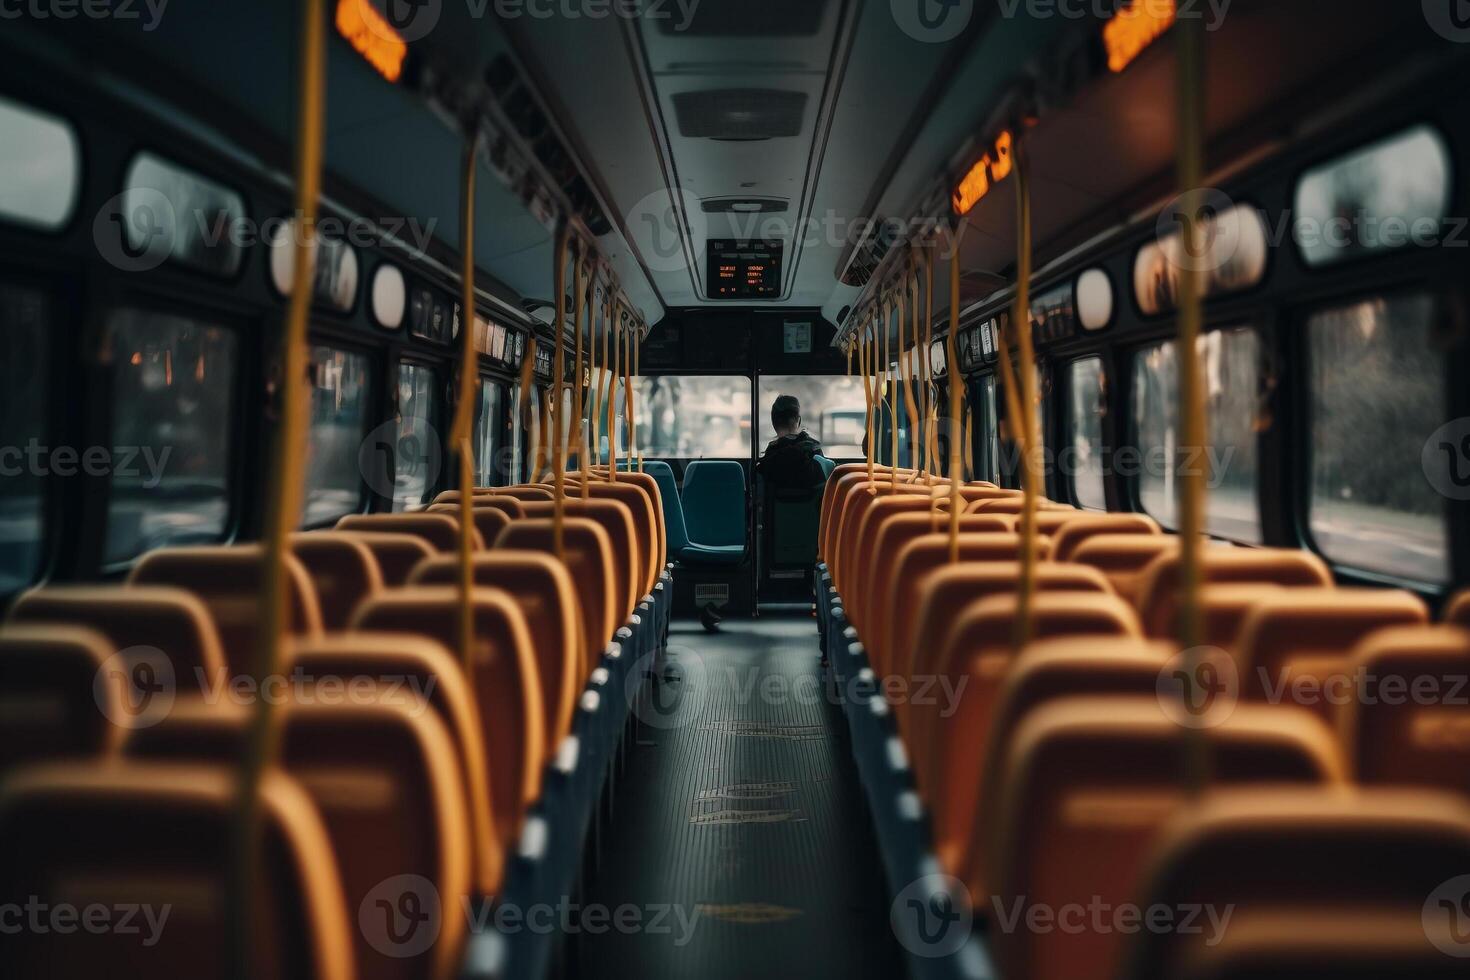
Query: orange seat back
[[503, 677], [396, 554], [947, 737], [527, 493], [851, 561], [543, 587], [617, 523], [1123, 557], [589, 561], [1457, 610], [1084, 793], [440, 531], [343, 570], [902, 528], [156, 836], [1071, 530], [1158, 584], [489, 519], [646, 545], [1412, 726], [862, 565], [56, 702], [1296, 646], [228, 580]]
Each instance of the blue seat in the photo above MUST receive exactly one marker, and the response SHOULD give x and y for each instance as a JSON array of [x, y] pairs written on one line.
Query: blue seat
[[826, 464], [714, 512]]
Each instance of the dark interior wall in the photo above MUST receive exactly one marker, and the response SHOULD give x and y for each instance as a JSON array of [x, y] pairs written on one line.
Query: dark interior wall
[[741, 342]]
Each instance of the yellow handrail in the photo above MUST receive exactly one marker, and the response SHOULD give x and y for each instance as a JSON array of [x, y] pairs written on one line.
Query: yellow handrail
[[462, 432], [865, 366], [890, 388], [283, 501], [614, 341], [579, 306], [1023, 626], [528, 392], [955, 381], [558, 382], [906, 359], [637, 342]]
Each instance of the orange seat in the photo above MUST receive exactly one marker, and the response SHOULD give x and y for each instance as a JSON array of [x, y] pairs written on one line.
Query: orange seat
[[947, 750], [1012, 503], [165, 628], [1296, 646], [503, 676], [834, 525], [843, 477], [1123, 557], [396, 554], [948, 589], [448, 503], [649, 485], [641, 507], [1084, 792], [228, 580], [527, 493], [615, 520], [892, 621], [343, 570], [56, 702], [382, 772], [1224, 609], [1073, 530], [589, 560], [1046, 670], [423, 667], [156, 837], [898, 531], [1158, 584], [1457, 610], [1319, 885], [439, 530], [543, 587], [851, 562], [489, 520], [861, 563]]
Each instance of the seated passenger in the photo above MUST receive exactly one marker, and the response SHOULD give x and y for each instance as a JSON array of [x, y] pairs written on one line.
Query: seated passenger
[[791, 459]]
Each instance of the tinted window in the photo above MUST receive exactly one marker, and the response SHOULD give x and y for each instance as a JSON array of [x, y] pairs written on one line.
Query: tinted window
[[1231, 377], [40, 167], [1086, 450], [339, 412], [173, 393], [1378, 399], [693, 417], [172, 213], [491, 435], [1235, 244], [832, 410], [1383, 197], [417, 449], [24, 353]]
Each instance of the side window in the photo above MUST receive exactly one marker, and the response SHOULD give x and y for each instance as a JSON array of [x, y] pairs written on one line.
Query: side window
[[1378, 399], [173, 398], [1231, 376], [417, 454], [1083, 457], [25, 319], [42, 163], [339, 411], [990, 420], [490, 434]]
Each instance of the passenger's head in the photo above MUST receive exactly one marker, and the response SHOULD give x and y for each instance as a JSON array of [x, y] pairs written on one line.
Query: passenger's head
[[786, 415]]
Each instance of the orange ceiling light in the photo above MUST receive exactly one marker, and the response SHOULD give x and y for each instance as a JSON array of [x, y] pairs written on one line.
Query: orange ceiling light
[[370, 34], [991, 169], [1134, 28]]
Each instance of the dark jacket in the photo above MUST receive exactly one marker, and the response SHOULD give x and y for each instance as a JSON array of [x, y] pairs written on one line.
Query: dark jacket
[[790, 461]]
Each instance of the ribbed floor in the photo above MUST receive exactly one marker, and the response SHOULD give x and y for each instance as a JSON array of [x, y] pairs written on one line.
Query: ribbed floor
[[741, 815]]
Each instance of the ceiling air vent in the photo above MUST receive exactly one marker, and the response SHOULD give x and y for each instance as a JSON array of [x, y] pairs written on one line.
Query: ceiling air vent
[[747, 18], [739, 113]]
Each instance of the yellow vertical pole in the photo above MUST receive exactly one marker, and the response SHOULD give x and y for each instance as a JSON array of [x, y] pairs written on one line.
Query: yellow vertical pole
[[1023, 626], [462, 432], [910, 289], [955, 383], [558, 381], [283, 503]]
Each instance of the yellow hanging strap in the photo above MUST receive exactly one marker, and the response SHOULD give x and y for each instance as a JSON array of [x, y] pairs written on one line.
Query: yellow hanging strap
[[1030, 444], [461, 434], [528, 392], [1192, 410], [955, 381], [558, 384], [614, 339], [628, 391], [598, 374], [633, 395], [865, 366], [283, 503], [906, 367], [926, 367], [580, 306], [890, 388]]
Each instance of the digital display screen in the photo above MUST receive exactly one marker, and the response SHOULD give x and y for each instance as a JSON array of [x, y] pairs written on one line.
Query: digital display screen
[[744, 270]]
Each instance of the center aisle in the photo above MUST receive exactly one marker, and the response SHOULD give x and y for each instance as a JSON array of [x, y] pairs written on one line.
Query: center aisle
[[741, 821]]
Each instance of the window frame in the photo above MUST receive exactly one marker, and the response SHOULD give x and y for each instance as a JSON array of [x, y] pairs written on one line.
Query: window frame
[[419, 359], [1068, 434], [181, 161], [371, 416]]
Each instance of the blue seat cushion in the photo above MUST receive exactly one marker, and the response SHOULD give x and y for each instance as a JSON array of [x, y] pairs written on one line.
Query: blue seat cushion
[[702, 554], [714, 502], [668, 491]]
